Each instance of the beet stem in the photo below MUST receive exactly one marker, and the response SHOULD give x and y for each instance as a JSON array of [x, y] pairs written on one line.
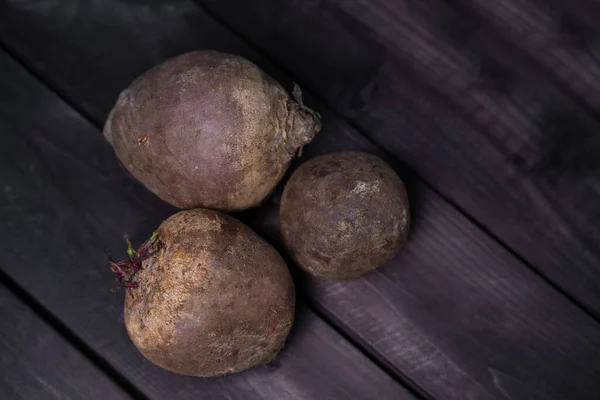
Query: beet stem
[[125, 270]]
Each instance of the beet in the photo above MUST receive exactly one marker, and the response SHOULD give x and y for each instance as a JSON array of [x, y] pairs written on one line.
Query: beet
[[207, 296], [344, 214], [208, 129]]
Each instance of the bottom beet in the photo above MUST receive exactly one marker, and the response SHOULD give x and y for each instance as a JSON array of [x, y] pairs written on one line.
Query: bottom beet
[[207, 296]]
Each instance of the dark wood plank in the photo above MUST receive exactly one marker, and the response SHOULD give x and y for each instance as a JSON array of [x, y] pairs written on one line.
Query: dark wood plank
[[37, 363], [508, 148], [66, 199], [456, 313], [556, 34], [587, 11]]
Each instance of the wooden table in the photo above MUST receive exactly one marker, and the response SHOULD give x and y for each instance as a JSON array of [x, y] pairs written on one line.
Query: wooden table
[[488, 109]]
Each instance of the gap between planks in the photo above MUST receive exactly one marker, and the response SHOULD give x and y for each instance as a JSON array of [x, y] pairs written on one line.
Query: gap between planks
[[45, 315]]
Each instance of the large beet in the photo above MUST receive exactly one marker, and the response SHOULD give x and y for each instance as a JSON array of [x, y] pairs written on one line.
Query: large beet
[[344, 214], [208, 129], [210, 296]]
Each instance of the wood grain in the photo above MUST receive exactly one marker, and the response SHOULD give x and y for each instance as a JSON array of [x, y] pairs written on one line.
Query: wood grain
[[66, 199], [455, 314], [37, 363], [555, 33], [467, 112]]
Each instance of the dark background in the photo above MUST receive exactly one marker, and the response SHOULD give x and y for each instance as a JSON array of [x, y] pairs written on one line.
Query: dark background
[[488, 109]]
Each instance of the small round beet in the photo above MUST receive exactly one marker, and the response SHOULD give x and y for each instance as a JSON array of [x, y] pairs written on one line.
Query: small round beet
[[211, 297], [208, 129], [344, 214]]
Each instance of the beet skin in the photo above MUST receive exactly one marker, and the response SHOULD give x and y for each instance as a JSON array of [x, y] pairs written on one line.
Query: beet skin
[[211, 297]]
